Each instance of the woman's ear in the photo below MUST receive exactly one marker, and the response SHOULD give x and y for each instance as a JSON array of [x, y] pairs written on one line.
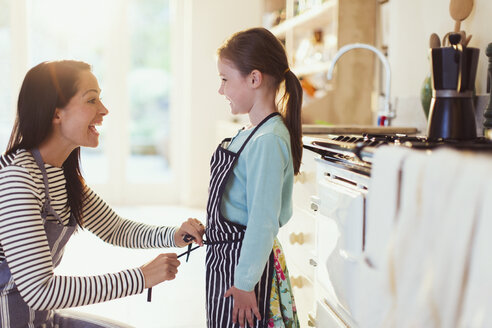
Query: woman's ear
[[255, 78]]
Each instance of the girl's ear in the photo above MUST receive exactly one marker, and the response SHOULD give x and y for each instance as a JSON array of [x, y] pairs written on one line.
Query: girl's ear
[[57, 116], [255, 78]]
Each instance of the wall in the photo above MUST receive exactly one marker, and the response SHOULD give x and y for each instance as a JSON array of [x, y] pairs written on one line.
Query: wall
[[203, 26], [410, 23]]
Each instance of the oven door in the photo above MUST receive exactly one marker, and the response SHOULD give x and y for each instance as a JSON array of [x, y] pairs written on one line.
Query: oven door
[[340, 241]]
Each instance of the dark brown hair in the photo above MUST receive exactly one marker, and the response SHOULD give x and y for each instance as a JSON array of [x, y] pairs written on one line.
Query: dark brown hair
[[258, 48], [48, 86]]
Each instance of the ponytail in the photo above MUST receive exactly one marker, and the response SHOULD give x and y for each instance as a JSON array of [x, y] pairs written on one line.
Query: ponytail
[[292, 116]]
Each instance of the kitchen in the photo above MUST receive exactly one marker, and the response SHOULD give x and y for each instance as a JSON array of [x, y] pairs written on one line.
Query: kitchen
[[401, 30]]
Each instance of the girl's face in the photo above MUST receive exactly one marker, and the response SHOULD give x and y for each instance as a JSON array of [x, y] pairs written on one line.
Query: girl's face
[[79, 118], [235, 87]]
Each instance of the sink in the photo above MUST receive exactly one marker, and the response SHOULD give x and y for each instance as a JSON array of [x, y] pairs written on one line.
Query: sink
[[356, 129]]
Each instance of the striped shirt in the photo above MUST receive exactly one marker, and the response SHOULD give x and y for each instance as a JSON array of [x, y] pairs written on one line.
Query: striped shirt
[[23, 242]]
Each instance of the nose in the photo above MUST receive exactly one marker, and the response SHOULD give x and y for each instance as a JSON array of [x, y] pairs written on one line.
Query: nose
[[221, 90], [103, 111]]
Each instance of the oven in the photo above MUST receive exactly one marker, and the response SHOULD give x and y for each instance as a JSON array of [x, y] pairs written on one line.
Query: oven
[[339, 205]]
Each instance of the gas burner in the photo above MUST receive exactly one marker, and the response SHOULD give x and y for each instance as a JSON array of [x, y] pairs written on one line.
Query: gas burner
[[355, 152]]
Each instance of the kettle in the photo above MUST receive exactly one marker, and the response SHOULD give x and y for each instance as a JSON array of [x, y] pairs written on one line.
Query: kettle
[[452, 113]]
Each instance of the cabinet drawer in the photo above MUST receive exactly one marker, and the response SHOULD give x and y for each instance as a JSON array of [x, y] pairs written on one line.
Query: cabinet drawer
[[298, 241], [326, 317], [305, 181], [303, 290]]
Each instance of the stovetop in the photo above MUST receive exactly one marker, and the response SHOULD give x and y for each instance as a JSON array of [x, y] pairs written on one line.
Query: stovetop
[[355, 152]]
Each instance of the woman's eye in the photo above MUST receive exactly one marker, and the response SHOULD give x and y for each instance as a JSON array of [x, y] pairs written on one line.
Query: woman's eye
[[94, 100]]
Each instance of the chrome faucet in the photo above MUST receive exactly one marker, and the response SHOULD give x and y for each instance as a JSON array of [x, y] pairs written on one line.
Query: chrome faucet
[[384, 116]]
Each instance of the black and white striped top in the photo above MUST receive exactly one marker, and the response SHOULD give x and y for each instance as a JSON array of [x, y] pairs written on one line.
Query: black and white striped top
[[23, 242]]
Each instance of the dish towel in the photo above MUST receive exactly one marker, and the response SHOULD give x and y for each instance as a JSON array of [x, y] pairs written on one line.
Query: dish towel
[[382, 205], [429, 252], [477, 299], [383, 200]]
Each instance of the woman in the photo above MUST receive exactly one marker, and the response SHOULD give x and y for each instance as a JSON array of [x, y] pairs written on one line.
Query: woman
[[44, 199]]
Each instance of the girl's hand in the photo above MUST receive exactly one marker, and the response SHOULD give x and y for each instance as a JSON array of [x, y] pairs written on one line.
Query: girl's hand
[[163, 267], [244, 303], [192, 227]]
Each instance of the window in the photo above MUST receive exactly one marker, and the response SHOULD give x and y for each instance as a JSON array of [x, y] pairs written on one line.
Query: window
[[127, 43], [6, 104], [149, 90]]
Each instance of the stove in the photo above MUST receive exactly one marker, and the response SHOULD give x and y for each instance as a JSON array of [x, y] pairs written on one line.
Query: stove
[[354, 152], [343, 179]]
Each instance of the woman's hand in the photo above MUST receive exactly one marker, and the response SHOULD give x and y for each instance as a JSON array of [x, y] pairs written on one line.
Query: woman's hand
[[163, 267], [244, 303], [191, 227]]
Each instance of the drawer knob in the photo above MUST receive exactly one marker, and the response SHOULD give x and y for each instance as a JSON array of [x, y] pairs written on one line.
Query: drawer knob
[[314, 207], [313, 262], [311, 320], [297, 281], [296, 238], [301, 177]]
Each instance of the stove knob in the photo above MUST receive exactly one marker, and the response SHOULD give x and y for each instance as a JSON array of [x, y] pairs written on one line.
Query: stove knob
[[296, 238], [313, 262]]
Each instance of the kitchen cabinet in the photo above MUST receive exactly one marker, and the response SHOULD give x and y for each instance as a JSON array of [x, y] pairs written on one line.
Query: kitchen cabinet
[[347, 98], [298, 239], [323, 242]]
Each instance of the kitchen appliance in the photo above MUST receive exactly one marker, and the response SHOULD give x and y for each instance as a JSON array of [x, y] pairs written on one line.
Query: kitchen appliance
[[487, 124], [343, 176], [452, 113]]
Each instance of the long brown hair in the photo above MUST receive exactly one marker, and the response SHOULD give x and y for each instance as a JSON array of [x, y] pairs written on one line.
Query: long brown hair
[[48, 86], [258, 48]]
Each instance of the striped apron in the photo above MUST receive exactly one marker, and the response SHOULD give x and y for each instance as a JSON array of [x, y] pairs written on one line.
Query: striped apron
[[224, 246], [14, 312]]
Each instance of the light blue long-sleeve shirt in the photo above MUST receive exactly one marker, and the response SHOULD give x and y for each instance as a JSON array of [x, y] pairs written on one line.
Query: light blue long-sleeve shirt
[[259, 195]]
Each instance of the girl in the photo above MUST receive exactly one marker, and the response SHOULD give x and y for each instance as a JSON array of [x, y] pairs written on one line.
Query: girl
[[44, 199], [250, 194]]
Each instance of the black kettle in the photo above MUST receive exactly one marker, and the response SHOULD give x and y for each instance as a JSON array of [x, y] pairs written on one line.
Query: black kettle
[[452, 113]]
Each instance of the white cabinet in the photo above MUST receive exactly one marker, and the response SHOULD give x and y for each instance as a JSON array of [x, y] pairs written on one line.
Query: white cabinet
[[298, 238]]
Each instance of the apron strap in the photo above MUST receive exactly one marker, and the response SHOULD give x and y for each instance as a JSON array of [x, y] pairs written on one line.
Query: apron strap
[[256, 129], [46, 208]]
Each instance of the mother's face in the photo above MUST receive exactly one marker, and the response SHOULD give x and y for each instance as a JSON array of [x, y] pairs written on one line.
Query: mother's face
[[75, 124]]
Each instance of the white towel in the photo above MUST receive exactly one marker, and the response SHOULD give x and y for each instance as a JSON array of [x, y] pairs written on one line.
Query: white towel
[[430, 248], [382, 204], [407, 229], [477, 300], [382, 200]]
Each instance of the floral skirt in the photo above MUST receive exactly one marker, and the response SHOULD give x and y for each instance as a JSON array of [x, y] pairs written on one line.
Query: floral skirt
[[283, 311]]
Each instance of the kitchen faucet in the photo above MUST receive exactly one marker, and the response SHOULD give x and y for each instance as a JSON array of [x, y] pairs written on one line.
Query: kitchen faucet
[[384, 116]]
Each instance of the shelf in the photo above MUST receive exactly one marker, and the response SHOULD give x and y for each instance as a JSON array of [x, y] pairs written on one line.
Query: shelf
[[310, 18], [311, 69]]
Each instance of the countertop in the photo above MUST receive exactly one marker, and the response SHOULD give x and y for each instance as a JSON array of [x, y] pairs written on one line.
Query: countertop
[[356, 129]]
